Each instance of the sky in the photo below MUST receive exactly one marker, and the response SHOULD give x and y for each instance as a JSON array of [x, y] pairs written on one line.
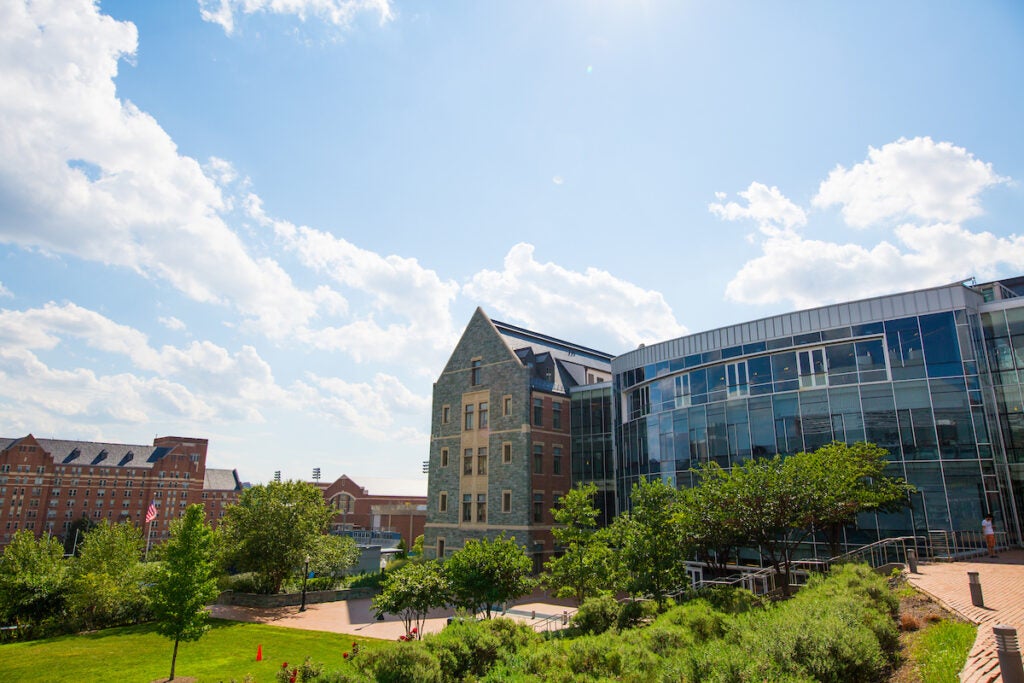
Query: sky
[[267, 222]]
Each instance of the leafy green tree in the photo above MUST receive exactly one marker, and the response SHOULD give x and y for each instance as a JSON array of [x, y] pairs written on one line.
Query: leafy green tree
[[107, 578], [272, 529], [33, 579], [185, 582], [845, 481], [417, 546], [332, 555], [652, 548], [485, 573], [75, 534], [582, 570], [709, 518], [412, 592]]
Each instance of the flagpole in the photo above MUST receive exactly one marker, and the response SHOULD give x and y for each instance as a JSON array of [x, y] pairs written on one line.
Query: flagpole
[[149, 539]]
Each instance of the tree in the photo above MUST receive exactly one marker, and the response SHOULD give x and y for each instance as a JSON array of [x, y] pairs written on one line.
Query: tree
[[710, 524], [417, 546], [485, 573], [272, 529], [185, 582], [652, 551], [108, 578], [412, 592], [33, 579], [332, 555], [583, 568], [845, 481], [75, 534]]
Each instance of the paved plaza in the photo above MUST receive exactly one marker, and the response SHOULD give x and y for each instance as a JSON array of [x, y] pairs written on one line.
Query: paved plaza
[[356, 617], [1002, 585]]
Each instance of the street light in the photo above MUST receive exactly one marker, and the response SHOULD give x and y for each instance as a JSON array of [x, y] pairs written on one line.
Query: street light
[[305, 575]]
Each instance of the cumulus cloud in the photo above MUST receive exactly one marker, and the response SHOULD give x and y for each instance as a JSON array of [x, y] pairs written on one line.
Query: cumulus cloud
[[409, 306], [593, 304], [917, 191], [164, 381], [765, 205], [366, 408], [4, 292], [172, 323], [909, 179], [337, 13], [85, 173]]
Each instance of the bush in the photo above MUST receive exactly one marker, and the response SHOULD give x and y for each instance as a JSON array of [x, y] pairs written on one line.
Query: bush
[[470, 648], [367, 581], [635, 612], [247, 582], [699, 618], [731, 600], [596, 615], [405, 663]]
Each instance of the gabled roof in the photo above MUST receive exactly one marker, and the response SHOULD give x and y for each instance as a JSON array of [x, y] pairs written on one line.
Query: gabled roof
[[65, 452], [221, 480], [556, 365]]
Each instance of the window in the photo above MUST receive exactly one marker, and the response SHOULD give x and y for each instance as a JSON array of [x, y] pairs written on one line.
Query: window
[[812, 368], [506, 453], [483, 415], [481, 460], [506, 501], [474, 372], [682, 391], [446, 414], [538, 412], [556, 415], [440, 548], [556, 460], [538, 507], [639, 402], [481, 507], [442, 502], [467, 461], [736, 379], [467, 507], [468, 424], [444, 457], [506, 406], [538, 459]]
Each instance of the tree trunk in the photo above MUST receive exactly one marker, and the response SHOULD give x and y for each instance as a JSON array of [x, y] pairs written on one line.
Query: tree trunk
[[174, 658]]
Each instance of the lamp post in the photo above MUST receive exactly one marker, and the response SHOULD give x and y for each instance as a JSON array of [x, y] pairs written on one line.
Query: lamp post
[[305, 575]]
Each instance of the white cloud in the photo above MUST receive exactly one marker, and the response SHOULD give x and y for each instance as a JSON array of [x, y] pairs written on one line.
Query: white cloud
[[577, 306], [337, 13], [167, 380], [368, 409], [413, 301], [172, 323], [85, 173], [558, 180], [4, 292], [765, 205], [936, 184], [909, 179]]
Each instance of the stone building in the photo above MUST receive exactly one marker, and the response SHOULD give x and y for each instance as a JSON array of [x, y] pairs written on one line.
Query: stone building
[[500, 435]]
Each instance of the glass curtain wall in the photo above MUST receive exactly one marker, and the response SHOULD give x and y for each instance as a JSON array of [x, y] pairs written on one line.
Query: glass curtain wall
[[910, 385]]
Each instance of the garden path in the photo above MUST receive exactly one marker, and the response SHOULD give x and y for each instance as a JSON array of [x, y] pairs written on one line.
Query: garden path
[[1002, 585]]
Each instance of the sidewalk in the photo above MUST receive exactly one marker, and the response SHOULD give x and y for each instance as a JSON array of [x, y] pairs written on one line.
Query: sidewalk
[[1002, 584], [356, 617]]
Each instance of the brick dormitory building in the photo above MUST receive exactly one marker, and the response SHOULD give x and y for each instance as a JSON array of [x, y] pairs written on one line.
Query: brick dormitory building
[[46, 485]]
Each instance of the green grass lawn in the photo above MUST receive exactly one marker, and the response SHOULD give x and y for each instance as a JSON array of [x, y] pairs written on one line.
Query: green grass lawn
[[941, 650], [139, 654]]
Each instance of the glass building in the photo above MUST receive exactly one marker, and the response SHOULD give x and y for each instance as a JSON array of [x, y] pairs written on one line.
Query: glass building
[[593, 444], [934, 376]]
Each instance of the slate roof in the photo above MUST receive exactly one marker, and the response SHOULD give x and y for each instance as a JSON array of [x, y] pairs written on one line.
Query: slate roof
[[93, 453], [555, 362], [221, 480]]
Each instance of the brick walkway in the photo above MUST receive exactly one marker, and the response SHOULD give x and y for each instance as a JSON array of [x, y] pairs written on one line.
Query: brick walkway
[[1002, 585]]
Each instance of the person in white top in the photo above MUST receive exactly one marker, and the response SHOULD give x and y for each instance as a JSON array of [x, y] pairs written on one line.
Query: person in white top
[[990, 535]]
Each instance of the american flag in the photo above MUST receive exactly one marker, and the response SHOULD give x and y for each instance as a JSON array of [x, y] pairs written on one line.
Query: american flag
[[151, 513]]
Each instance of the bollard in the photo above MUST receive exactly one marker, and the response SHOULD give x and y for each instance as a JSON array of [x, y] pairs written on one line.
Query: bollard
[[1008, 647], [533, 614], [565, 617], [912, 560], [976, 598]]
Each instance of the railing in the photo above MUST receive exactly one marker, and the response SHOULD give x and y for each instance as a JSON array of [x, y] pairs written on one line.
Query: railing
[[952, 545], [554, 622]]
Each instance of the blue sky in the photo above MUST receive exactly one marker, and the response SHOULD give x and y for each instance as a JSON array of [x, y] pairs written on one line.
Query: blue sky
[[266, 222]]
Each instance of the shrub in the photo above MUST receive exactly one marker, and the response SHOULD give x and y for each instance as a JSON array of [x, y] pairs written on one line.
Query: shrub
[[698, 617], [908, 622], [731, 600], [470, 648], [635, 612], [596, 615], [406, 663], [367, 581]]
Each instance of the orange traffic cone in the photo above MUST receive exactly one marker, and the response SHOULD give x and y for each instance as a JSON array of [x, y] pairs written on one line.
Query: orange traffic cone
[[259, 653]]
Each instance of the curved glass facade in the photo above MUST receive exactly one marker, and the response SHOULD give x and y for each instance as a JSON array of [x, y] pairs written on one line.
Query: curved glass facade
[[908, 373]]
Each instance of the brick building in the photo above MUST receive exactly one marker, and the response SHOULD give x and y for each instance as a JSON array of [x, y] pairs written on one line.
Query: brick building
[[48, 484], [500, 435], [361, 514]]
